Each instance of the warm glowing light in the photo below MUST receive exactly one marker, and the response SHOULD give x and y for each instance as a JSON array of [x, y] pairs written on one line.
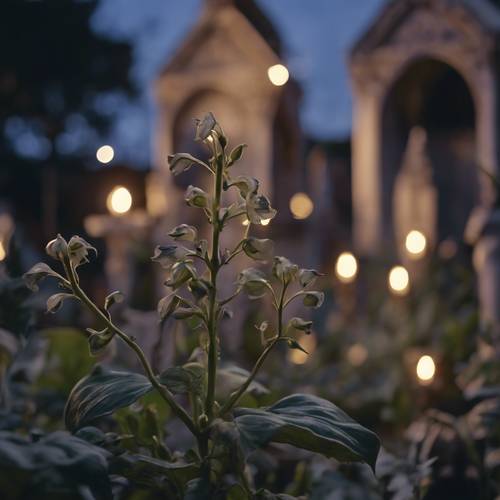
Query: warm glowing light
[[346, 267], [265, 222], [357, 354], [415, 243], [399, 280], [119, 200], [105, 154], [3, 252], [426, 368], [278, 74], [245, 222], [308, 342], [301, 206]]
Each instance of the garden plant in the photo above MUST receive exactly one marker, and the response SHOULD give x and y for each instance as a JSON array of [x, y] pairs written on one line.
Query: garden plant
[[224, 432]]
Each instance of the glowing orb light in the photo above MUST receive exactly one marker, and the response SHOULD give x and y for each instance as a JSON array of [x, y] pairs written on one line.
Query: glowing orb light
[[301, 206], [105, 154], [119, 201], [278, 74], [346, 267], [399, 280], [426, 368]]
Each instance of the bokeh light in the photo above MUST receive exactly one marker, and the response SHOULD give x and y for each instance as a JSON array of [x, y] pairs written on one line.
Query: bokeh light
[[357, 354], [301, 206], [415, 243], [399, 280], [426, 368], [105, 153], [119, 201], [346, 267], [278, 74]]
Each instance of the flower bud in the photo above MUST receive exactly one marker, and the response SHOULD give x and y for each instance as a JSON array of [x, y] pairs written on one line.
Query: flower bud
[[196, 197], [308, 277], [78, 250], [205, 127], [284, 270], [168, 255], [301, 324], [57, 248], [258, 249], [181, 272], [245, 184], [184, 233], [258, 208], [314, 299], [253, 282]]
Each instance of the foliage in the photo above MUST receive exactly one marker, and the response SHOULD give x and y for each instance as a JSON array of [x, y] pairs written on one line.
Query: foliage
[[224, 434]]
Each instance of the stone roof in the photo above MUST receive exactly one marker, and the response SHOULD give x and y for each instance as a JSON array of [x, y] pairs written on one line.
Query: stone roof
[[485, 13]]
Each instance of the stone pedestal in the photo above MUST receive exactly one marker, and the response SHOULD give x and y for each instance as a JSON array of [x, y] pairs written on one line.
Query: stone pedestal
[[119, 232]]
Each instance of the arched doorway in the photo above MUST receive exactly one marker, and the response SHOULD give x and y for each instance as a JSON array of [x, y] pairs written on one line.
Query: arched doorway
[[432, 95]]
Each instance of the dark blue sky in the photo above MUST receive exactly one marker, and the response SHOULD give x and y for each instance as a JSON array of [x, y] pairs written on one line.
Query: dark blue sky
[[316, 33]]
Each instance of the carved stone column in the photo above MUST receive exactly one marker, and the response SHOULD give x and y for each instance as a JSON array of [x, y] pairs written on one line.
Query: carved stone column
[[483, 231]]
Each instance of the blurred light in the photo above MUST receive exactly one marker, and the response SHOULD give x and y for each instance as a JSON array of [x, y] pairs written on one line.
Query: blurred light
[[301, 206], [308, 342], [105, 154], [426, 368], [264, 222], [357, 354], [399, 280], [415, 243], [346, 267], [278, 74], [119, 200], [246, 222], [3, 252]]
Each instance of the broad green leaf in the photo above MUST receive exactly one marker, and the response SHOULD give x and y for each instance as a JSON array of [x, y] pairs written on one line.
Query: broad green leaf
[[230, 378], [57, 465], [310, 423], [150, 471], [101, 393]]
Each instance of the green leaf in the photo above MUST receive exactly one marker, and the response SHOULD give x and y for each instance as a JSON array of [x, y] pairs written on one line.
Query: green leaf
[[230, 378], [113, 298], [181, 162], [101, 393], [189, 378], [55, 302], [236, 154], [57, 465], [311, 423], [38, 273], [150, 471]]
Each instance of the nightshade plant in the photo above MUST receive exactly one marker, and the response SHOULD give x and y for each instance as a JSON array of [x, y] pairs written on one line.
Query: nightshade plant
[[224, 433]]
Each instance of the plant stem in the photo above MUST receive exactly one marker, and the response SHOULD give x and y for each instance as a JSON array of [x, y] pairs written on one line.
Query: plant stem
[[162, 390], [214, 269], [237, 395]]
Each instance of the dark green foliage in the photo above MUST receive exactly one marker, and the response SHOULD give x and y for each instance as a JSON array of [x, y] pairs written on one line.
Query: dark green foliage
[[101, 393], [311, 423]]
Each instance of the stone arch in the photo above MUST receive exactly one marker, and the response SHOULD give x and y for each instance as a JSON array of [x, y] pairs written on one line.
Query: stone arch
[[431, 93]]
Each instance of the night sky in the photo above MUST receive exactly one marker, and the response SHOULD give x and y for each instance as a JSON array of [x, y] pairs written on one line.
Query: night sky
[[316, 34]]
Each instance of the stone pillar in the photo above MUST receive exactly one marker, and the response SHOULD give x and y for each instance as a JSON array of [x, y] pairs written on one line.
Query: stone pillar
[[367, 178], [483, 231], [118, 232]]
